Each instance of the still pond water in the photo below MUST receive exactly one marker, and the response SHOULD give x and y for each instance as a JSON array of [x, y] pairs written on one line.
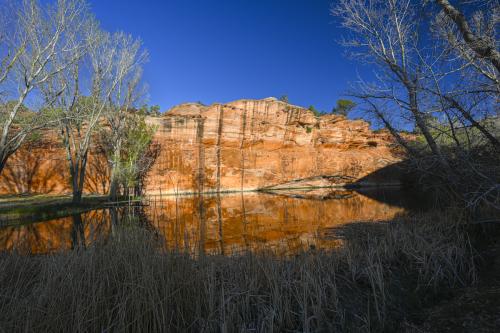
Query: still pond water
[[219, 224]]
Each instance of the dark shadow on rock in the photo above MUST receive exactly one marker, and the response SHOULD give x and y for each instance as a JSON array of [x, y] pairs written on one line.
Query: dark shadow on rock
[[98, 174], [394, 184], [396, 174], [30, 171]]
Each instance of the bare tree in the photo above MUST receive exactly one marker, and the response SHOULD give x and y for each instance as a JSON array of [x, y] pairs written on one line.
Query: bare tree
[[436, 71], [9, 52], [472, 59], [36, 34], [80, 97], [386, 33], [481, 41]]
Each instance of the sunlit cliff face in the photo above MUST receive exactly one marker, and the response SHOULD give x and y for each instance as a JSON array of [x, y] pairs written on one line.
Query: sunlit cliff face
[[242, 145], [224, 224]]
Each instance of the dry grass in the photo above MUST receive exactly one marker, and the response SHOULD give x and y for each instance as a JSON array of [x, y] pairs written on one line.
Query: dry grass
[[384, 272]]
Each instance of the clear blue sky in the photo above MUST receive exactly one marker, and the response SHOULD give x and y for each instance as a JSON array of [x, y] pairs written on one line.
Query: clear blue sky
[[223, 50]]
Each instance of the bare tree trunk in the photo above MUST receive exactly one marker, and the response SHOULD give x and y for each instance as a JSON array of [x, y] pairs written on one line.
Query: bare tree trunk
[[452, 129], [78, 170], [77, 195], [3, 161], [456, 105], [114, 189], [81, 179], [4, 157], [402, 142], [478, 44], [421, 124], [138, 189], [7, 147]]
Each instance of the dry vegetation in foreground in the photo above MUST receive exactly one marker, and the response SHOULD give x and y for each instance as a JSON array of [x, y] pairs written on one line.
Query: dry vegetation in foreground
[[385, 273]]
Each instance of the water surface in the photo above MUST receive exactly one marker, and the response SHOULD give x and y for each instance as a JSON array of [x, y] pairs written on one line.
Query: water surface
[[217, 224]]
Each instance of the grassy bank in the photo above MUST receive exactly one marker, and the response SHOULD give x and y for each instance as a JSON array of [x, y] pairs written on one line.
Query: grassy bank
[[379, 281]]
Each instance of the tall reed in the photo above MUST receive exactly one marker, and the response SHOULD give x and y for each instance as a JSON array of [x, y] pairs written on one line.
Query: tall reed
[[383, 272]]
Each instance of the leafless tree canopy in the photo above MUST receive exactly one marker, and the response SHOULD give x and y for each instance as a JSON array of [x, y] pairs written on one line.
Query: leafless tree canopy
[[81, 77], [95, 93], [33, 37]]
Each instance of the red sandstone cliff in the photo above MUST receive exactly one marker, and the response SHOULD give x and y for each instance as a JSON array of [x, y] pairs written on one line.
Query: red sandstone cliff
[[252, 144], [242, 145]]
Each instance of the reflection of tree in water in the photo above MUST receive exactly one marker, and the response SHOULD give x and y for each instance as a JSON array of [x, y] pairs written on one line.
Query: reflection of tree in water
[[15, 238], [75, 231], [89, 227], [219, 223], [204, 224], [125, 216], [135, 215], [37, 237], [244, 222]]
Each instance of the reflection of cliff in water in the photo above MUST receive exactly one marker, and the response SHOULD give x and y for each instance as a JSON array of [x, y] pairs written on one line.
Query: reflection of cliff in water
[[218, 224], [252, 220]]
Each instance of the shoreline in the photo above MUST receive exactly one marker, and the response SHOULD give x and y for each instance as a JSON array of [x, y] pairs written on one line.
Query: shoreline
[[22, 209]]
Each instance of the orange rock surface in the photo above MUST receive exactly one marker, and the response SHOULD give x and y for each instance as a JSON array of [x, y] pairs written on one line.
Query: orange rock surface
[[242, 145]]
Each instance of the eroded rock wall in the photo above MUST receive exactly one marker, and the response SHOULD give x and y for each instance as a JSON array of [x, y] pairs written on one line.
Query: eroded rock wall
[[242, 145], [254, 144]]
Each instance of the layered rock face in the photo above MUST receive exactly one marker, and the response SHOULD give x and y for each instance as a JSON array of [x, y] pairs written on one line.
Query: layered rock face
[[242, 145], [256, 144]]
